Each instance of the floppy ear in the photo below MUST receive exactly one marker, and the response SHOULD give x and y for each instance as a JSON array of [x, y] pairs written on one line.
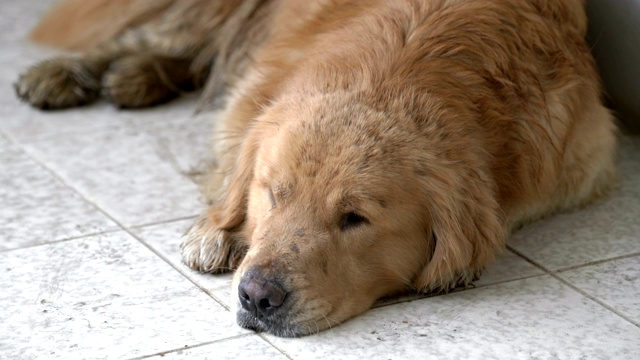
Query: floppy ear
[[467, 225], [215, 242]]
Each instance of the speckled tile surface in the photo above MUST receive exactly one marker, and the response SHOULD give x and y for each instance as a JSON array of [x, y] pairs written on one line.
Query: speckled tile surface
[[94, 201], [166, 238], [247, 347], [37, 208], [508, 266], [101, 297], [537, 318], [615, 283], [6, 148], [125, 171]]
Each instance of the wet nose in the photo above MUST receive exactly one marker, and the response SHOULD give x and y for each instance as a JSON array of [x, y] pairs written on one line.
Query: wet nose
[[260, 296]]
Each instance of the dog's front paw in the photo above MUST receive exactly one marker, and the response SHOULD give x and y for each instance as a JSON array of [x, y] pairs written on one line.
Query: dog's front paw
[[209, 249], [58, 83]]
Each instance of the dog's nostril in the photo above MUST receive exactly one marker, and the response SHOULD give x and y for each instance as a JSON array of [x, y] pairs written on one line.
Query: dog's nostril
[[264, 303], [259, 296], [243, 296]]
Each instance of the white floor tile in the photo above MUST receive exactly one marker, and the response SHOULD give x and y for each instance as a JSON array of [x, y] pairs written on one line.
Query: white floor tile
[[248, 347], [606, 229], [36, 208], [101, 297], [26, 124], [181, 137], [226, 294], [5, 146], [125, 172], [616, 283], [536, 318], [166, 238], [18, 17]]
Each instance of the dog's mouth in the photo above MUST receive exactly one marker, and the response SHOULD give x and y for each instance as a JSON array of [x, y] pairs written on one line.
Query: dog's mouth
[[279, 324], [286, 321]]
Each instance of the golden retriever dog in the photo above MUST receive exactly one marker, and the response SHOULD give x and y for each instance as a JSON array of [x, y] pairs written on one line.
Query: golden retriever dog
[[367, 148]]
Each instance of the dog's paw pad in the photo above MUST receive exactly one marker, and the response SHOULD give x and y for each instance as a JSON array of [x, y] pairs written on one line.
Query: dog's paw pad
[[208, 249], [57, 83]]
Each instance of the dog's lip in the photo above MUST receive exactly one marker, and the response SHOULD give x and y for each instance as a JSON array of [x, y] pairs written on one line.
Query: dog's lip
[[276, 325]]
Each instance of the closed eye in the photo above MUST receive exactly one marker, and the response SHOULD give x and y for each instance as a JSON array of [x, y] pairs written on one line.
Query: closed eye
[[272, 199], [352, 220]]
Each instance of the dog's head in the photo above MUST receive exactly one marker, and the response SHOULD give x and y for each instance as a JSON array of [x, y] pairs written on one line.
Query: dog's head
[[346, 204]]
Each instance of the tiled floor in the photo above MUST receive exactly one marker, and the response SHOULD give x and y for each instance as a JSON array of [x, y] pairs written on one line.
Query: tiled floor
[[93, 202]]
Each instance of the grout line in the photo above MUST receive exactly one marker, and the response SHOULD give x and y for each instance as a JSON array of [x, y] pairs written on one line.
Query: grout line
[[58, 241], [555, 275], [527, 259], [161, 222], [414, 297], [211, 294], [594, 299], [265, 339], [163, 353], [572, 267], [409, 297], [175, 267], [596, 262]]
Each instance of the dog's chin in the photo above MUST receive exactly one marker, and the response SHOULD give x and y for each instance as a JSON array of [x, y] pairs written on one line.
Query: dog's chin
[[277, 326], [282, 325]]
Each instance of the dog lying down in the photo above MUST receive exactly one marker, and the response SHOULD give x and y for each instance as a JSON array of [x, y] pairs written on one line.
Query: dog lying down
[[366, 148]]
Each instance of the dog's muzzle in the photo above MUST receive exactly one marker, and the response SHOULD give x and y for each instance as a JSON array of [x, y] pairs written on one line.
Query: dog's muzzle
[[265, 304]]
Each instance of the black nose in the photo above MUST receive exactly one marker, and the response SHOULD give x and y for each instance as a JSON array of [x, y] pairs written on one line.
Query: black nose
[[260, 296]]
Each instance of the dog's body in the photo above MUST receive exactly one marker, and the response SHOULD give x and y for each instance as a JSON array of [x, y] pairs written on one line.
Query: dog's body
[[367, 147]]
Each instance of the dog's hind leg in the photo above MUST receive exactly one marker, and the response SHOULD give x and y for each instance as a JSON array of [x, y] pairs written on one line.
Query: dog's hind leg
[[63, 82], [128, 79], [141, 80], [151, 58]]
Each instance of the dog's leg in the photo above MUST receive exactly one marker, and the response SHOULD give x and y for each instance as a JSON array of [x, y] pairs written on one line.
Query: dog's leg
[[128, 79], [217, 241], [141, 80], [136, 53], [590, 160], [162, 50]]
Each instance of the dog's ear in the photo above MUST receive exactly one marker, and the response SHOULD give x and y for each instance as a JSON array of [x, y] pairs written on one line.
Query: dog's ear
[[465, 221]]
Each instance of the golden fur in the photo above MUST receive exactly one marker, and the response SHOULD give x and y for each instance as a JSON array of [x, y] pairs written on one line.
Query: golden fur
[[366, 147]]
